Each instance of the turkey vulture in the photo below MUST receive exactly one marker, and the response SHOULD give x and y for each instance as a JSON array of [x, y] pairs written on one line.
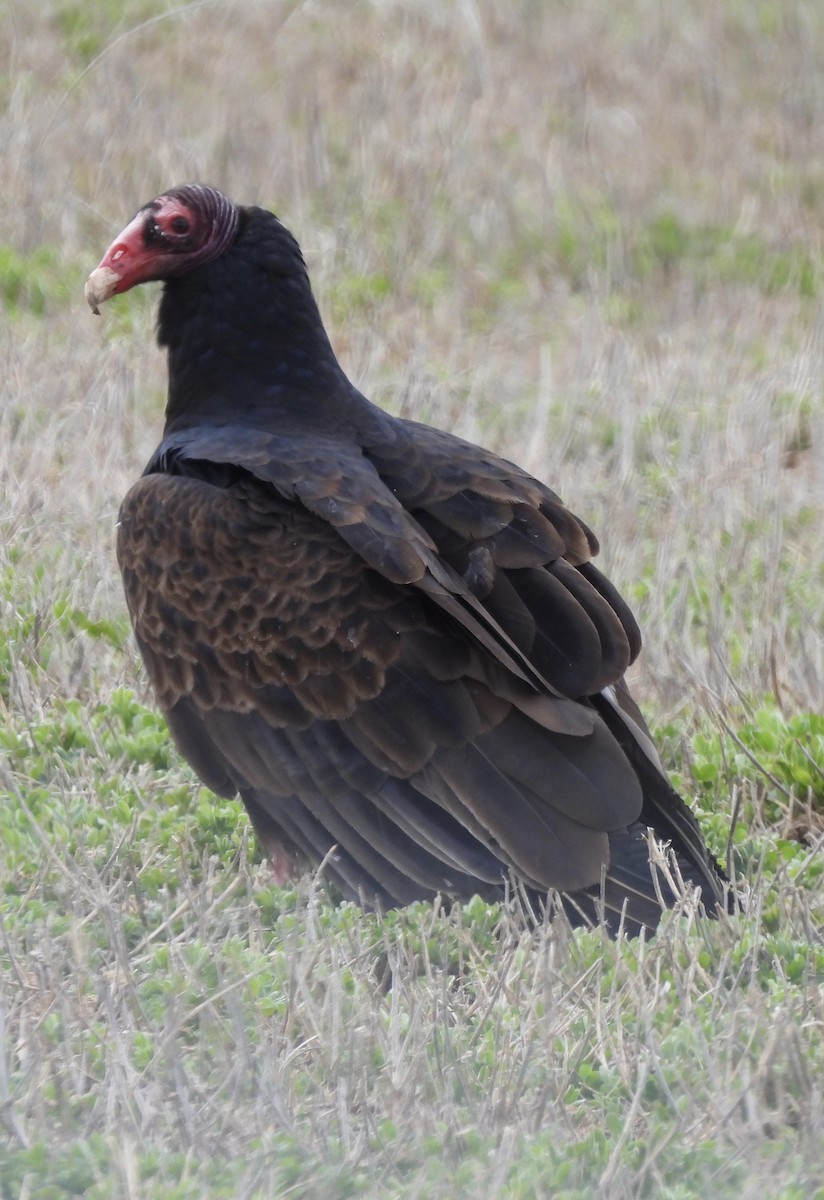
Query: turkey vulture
[[392, 643]]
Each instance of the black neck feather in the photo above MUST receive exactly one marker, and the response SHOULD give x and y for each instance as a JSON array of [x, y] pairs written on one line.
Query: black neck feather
[[244, 335]]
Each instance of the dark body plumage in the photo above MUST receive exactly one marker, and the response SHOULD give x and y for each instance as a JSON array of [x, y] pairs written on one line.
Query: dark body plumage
[[392, 643]]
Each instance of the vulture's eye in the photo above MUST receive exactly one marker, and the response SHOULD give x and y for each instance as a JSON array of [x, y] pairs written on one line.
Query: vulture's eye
[[179, 225]]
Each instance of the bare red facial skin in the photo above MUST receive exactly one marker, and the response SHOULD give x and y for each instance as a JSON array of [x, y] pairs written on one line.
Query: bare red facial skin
[[148, 248]]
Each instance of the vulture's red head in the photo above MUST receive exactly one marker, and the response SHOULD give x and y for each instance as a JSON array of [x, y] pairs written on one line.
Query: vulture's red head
[[169, 236]]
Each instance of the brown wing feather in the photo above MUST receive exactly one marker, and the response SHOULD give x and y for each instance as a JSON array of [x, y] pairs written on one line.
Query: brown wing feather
[[290, 667]]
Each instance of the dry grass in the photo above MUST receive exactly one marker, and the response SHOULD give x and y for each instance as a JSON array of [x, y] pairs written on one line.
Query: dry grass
[[591, 239]]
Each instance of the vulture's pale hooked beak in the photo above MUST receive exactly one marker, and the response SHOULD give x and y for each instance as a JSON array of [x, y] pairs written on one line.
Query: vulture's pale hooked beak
[[100, 285]]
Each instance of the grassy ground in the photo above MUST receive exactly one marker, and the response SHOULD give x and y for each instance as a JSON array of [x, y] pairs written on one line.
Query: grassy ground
[[589, 236]]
